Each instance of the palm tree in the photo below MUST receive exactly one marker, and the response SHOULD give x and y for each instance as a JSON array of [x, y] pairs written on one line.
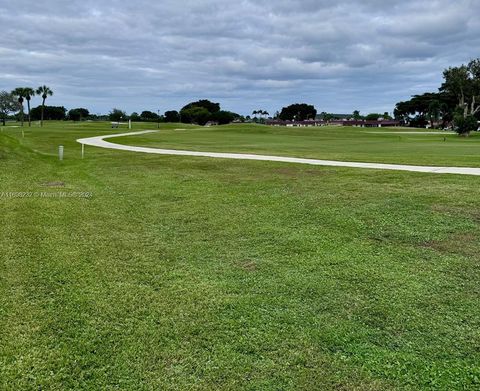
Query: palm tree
[[265, 113], [20, 94], [44, 91], [29, 92], [254, 113]]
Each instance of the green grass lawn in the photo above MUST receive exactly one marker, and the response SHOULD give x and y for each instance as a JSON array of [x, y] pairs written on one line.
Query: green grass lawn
[[128, 271], [332, 143]]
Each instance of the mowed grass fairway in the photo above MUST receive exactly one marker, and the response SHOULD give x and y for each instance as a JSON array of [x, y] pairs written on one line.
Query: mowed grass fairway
[[195, 273], [373, 145]]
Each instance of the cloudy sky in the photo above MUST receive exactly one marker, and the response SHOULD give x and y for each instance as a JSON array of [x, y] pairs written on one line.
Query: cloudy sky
[[261, 54]]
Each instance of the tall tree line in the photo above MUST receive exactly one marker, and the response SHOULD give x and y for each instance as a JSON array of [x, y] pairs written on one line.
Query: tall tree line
[[457, 102]]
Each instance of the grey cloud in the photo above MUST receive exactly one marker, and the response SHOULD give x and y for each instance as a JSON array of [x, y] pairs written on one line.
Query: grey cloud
[[342, 55]]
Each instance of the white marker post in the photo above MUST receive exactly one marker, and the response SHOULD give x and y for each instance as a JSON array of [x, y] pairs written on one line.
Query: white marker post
[[60, 152], [129, 124], [83, 150]]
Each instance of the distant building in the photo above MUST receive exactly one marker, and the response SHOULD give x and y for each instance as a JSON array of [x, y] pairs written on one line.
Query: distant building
[[371, 123], [336, 122]]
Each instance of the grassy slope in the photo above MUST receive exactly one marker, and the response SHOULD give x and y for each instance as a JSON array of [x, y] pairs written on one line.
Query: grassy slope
[[335, 143], [199, 273]]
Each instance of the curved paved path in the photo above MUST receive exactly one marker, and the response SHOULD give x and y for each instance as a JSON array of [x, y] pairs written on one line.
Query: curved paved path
[[412, 132], [99, 141]]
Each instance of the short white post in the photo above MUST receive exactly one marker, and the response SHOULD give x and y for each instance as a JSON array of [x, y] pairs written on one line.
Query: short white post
[[83, 150], [129, 124], [60, 152]]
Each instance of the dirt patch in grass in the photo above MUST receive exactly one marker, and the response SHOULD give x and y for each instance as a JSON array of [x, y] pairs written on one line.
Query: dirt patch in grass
[[286, 171], [247, 265], [53, 184], [476, 216], [458, 211], [461, 244]]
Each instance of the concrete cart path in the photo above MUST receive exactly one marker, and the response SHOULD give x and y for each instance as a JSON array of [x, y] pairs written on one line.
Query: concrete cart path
[[99, 141], [407, 132]]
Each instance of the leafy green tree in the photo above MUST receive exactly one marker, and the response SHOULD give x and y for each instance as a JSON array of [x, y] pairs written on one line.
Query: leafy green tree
[[195, 115], [419, 121], [446, 113], [135, 116], [298, 112], [44, 92], [465, 125], [223, 117], [19, 94], [434, 111], [373, 116], [327, 116], [205, 103], [172, 116], [78, 114], [464, 83], [356, 115], [429, 105], [117, 115], [8, 104], [148, 116], [199, 112], [48, 112]]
